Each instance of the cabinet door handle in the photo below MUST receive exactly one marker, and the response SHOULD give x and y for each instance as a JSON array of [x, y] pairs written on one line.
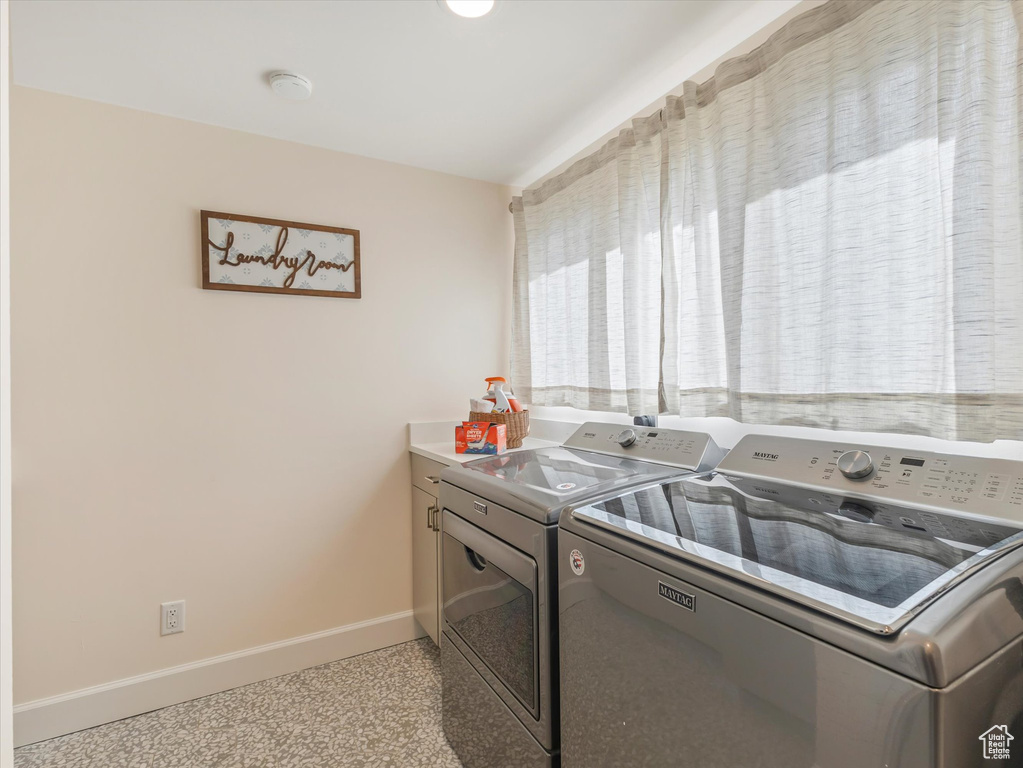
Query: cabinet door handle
[[432, 479], [436, 518], [429, 517]]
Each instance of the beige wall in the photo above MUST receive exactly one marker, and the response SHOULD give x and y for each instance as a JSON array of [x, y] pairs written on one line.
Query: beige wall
[[243, 452]]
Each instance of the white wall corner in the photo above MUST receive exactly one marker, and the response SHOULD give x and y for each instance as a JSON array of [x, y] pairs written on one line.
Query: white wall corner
[[89, 707], [6, 664], [433, 431], [727, 35]]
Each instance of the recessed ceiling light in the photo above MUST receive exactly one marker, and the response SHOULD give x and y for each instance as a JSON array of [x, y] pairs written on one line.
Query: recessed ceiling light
[[291, 86], [470, 9]]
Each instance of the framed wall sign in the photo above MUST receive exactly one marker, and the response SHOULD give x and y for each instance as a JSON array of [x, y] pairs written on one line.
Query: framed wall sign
[[249, 253]]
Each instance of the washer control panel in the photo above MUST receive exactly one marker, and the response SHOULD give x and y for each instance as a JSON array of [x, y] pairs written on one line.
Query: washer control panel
[[674, 447], [982, 486]]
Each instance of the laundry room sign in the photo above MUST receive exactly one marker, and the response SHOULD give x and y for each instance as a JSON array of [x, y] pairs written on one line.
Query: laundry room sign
[[249, 253]]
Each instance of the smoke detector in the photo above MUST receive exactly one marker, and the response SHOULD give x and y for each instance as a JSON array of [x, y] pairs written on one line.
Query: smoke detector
[[291, 86]]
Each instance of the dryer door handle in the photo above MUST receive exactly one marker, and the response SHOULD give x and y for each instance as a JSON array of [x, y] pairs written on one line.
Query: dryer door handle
[[476, 560]]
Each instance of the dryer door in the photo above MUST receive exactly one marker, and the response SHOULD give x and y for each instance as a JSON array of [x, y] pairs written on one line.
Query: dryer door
[[490, 601]]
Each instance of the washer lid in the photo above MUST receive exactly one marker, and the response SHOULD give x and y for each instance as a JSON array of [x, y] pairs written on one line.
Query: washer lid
[[869, 564], [540, 481], [560, 471]]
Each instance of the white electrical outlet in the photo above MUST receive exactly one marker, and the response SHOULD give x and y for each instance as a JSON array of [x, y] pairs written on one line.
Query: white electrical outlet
[[172, 617]]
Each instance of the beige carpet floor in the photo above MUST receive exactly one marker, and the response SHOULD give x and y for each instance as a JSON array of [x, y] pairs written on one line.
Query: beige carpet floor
[[378, 709]]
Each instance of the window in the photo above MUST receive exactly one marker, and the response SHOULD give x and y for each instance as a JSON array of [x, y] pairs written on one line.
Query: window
[[826, 233]]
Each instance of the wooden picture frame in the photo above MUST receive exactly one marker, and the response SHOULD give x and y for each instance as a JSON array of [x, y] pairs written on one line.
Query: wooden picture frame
[[260, 255]]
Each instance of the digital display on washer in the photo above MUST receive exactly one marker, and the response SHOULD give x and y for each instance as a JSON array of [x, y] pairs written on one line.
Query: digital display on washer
[[912, 462], [866, 559]]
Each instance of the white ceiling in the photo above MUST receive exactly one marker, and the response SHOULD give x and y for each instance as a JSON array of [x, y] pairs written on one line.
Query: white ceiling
[[505, 98]]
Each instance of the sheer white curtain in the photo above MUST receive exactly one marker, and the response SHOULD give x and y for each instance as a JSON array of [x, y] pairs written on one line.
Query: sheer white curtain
[[588, 281], [826, 233]]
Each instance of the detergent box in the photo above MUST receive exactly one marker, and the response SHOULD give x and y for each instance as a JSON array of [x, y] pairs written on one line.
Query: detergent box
[[480, 437]]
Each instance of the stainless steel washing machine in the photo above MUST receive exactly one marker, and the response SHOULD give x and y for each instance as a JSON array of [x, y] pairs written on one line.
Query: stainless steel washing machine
[[810, 604], [499, 586]]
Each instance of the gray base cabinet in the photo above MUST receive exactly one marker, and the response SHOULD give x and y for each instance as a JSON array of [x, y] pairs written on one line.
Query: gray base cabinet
[[426, 544]]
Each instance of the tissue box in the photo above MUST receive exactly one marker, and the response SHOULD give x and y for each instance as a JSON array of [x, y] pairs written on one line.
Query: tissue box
[[481, 437]]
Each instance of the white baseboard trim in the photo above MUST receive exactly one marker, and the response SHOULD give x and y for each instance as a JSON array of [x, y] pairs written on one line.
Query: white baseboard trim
[[55, 716]]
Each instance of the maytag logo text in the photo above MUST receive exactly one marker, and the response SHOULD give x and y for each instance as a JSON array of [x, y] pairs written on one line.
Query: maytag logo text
[[684, 599]]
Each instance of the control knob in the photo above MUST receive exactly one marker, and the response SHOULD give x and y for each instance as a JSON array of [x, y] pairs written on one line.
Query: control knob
[[855, 464], [626, 437]]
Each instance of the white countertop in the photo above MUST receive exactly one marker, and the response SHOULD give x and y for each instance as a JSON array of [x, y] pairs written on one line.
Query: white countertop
[[436, 440]]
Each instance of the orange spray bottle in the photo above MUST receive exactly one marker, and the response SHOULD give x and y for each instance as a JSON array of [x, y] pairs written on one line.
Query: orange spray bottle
[[504, 402]]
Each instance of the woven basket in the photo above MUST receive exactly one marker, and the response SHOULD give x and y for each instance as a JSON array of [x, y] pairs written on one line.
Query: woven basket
[[516, 425]]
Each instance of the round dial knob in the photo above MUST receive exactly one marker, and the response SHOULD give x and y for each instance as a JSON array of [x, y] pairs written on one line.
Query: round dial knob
[[626, 437], [855, 464]]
